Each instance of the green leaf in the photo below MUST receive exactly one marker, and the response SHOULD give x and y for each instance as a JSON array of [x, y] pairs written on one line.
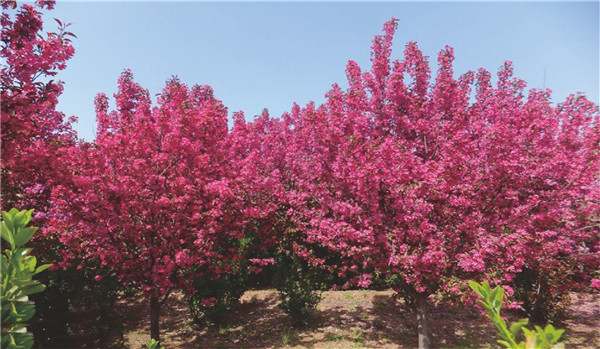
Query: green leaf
[[557, 334], [476, 287], [7, 217], [30, 263], [496, 297], [28, 216], [527, 332], [153, 344], [7, 233], [26, 313], [21, 298], [34, 289], [19, 220], [516, 327], [486, 287], [18, 268], [21, 252], [552, 334], [506, 344], [41, 268], [24, 236]]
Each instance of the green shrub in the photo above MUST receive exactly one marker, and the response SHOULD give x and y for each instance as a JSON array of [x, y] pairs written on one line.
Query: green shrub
[[18, 269], [213, 299], [541, 338], [543, 291], [76, 310], [299, 285]]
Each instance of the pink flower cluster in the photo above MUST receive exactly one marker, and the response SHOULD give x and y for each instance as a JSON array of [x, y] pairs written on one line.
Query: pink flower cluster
[[33, 132]]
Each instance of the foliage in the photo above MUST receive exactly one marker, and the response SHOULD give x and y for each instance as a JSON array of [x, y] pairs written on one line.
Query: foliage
[[299, 285], [153, 344], [34, 137], [400, 175], [429, 180], [259, 149], [177, 215], [213, 299], [543, 292], [18, 269], [492, 303], [151, 197], [425, 182], [33, 132], [78, 308]]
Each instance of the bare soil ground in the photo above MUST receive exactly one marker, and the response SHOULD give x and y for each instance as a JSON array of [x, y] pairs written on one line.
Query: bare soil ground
[[344, 319]]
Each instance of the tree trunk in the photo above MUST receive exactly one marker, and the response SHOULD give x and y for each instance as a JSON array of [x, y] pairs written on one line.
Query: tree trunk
[[154, 308], [423, 327]]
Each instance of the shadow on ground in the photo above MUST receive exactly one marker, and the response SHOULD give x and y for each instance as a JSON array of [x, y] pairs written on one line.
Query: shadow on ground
[[343, 319]]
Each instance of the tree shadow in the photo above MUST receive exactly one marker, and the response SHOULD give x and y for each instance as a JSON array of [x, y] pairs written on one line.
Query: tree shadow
[[583, 326], [449, 327], [255, 323], [355, 319]]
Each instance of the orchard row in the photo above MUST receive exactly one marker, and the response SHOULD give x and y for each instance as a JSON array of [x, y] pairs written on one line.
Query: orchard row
[[426, 180]]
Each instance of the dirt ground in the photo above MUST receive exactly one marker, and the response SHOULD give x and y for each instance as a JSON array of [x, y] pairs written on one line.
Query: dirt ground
[[344, 319]]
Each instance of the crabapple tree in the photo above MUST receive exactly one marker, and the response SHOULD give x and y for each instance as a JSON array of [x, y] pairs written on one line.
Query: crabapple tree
[[431, 182], [151, 197], [33, 132]]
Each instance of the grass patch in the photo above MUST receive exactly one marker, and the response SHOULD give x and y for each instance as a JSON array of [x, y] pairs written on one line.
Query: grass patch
[[333, 337], [289, 336]]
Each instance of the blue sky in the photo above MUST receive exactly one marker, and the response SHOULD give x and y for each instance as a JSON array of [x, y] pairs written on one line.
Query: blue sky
[[270, 55]]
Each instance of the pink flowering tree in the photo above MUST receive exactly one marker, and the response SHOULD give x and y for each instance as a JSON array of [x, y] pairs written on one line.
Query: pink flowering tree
[[434, 184], [33, 132], [258, 156], [259, 150], [150, 198]]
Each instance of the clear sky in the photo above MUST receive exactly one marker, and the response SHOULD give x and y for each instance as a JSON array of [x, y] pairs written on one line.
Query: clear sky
[[270, 55]]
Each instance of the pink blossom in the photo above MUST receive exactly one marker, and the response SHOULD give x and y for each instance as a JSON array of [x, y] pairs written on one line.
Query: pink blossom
[[208, 302]]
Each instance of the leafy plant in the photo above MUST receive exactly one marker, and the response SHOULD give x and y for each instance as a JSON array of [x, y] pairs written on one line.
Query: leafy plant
[[77, 309], [154, 344], [212, 298], [543, 289], [299, 286], [215, 298], [18, 270], [540, 338]]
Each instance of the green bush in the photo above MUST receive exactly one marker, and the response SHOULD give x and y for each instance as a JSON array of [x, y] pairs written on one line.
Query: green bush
[[543, 291], [213, 299], [76, 310], [299, 285], [18, 269], [541, 338]]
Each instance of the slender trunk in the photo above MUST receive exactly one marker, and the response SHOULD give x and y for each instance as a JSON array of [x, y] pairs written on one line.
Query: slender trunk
[[423, 327], [154, 308]]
